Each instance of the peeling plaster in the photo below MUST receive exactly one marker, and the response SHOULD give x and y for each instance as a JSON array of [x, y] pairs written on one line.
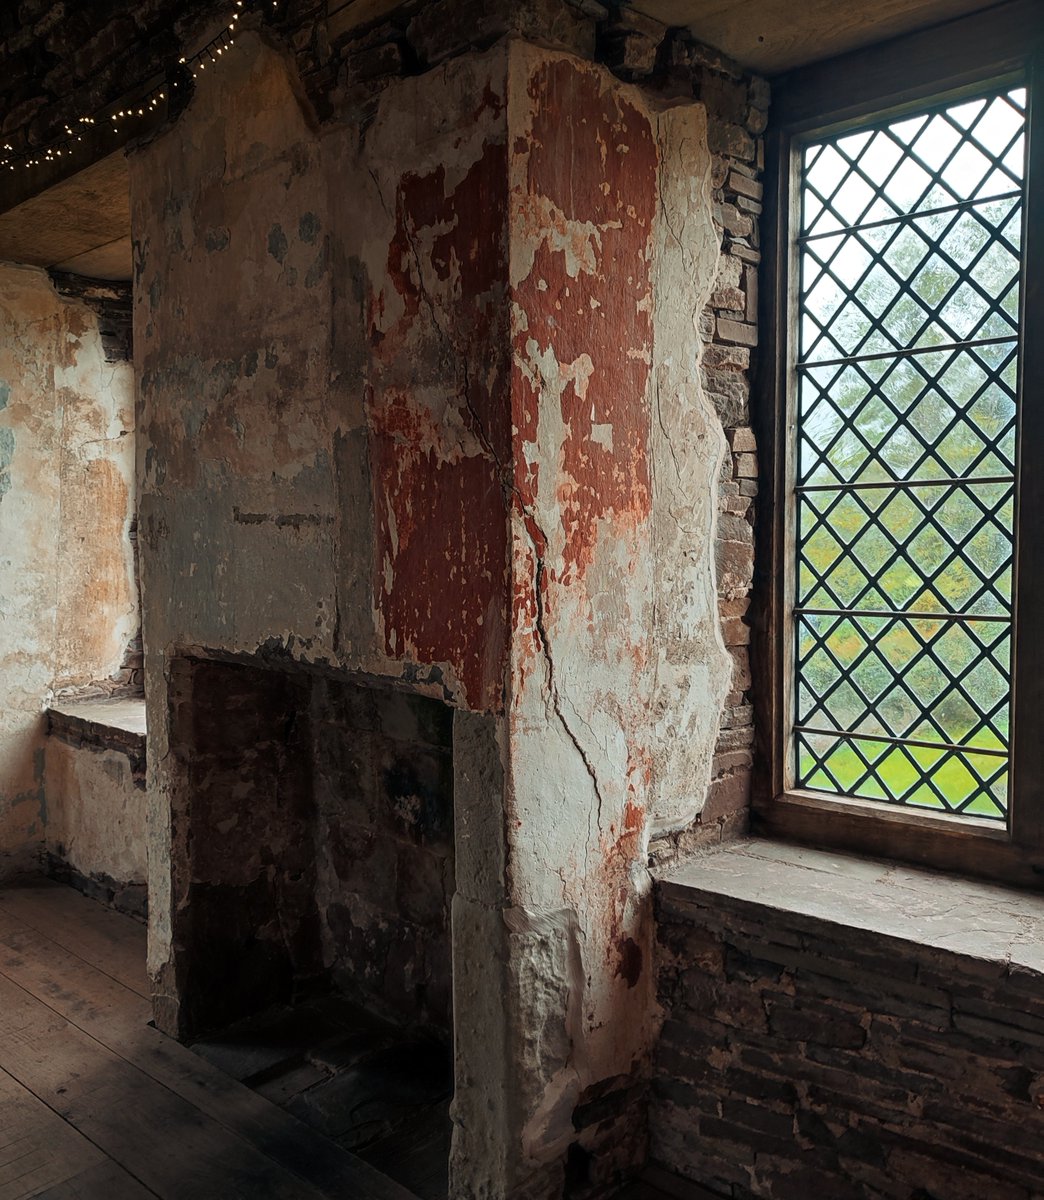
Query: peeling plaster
[[68, 605], [598, 177], [471, 455], [437, 442]]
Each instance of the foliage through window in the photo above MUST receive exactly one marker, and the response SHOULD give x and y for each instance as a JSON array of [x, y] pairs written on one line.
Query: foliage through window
[[905, 394]]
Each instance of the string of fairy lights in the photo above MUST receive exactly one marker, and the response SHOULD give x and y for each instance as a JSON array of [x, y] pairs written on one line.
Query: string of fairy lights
[[115, 118]]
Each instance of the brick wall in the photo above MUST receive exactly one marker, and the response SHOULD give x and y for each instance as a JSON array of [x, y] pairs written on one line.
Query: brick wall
[[59, 60], [803, 1058]]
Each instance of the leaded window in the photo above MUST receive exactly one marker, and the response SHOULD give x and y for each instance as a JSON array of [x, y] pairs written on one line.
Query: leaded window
[[905, 394]]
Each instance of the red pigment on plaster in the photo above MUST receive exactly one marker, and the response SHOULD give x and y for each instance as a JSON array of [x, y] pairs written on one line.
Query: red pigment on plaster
[[441, 537], [593, 156], [634, 817], [615, 870], [398, 418], [491, 102]]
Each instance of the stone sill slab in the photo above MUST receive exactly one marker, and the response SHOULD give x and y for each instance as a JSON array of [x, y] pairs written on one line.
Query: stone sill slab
[[996, 931], [107, 723]]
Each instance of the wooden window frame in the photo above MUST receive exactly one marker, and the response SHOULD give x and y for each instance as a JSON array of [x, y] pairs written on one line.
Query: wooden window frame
[[944, 63]]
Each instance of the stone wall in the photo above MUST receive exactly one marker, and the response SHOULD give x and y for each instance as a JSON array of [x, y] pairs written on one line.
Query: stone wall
[[316, 845], [848, 1030], [59, 62], [247, 922], [67, 589]]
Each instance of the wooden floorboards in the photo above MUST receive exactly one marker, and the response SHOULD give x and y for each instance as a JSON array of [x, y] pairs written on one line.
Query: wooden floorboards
[[112, 943], [96, 1104]]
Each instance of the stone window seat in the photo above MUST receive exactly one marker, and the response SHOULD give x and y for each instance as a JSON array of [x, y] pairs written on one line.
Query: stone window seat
[[103, 723], [846, 1027]]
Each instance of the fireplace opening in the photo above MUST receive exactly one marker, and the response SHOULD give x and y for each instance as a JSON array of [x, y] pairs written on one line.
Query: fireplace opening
[[312, 845]]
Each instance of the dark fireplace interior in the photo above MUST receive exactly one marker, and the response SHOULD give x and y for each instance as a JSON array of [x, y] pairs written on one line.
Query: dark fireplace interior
[[314, 839]]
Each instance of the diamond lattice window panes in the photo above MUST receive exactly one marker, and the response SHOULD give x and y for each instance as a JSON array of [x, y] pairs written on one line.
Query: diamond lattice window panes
[[909, 254]]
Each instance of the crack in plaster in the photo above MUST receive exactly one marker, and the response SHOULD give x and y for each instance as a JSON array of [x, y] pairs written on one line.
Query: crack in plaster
[[556, 702], [510, 488], [545, 640]]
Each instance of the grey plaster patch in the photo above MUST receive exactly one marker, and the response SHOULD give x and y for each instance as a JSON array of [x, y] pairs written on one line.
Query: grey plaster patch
[[277, 243], [7, 446], [308, 227]]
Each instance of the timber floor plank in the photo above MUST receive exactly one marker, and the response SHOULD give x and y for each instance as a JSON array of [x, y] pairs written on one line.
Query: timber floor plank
[[38, 1149], [106, 1181], [163, 1140], [173, 1126], [84, 927], [102, 1008]]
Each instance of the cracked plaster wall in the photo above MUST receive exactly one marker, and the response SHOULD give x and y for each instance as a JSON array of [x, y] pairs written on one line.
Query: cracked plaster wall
[[618, 668], [68, 603], [422, 401]]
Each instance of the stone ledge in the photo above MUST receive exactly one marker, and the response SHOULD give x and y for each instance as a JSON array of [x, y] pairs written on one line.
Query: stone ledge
[[999, 930], [107, 723]]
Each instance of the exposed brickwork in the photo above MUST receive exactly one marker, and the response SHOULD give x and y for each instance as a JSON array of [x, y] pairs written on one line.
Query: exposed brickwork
[[57, 65], [804, 1058], [111, 302], [60, 61], [248, 920], [737, 107], [383, 794], [344, 63]]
